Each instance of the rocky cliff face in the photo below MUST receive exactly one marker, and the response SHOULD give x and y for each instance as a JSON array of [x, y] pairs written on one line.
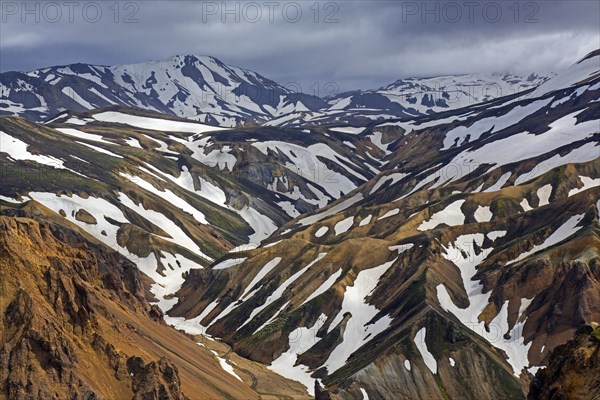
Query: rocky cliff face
[[573, 370], [75, 323]]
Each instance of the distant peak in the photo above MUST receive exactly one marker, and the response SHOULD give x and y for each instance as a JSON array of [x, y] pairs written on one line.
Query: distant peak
[[196, 57], [589, 56]]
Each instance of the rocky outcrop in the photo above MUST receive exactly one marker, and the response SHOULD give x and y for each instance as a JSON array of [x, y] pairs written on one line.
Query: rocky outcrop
[[84, 216], [154, 381], [573, 370], [75, 323]]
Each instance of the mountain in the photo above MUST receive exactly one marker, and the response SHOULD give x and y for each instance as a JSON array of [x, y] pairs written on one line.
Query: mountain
[[127, 210], [451, 274], [206, 90], [431, 95], [414, 97], [197, 87], [171, 194], [77, 323]]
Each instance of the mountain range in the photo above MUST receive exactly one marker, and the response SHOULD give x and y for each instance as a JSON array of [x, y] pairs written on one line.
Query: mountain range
[[204, 89], [430, 239]]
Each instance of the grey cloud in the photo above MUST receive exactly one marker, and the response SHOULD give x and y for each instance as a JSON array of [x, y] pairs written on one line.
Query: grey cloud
[[372, 44]]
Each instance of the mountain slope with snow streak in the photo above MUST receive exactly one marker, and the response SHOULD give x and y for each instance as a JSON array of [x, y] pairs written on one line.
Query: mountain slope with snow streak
[[414, 97], [466, 262], [197, 87], [205, 89], [175, 194]]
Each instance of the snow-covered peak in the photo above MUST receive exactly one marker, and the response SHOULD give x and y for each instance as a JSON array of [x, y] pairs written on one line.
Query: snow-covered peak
[[191, 86], [585, 69], [409, 98]]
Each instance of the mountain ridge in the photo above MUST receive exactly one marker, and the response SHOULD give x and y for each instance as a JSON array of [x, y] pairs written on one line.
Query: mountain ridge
[[205, 89], [232, 94], [457, 240]]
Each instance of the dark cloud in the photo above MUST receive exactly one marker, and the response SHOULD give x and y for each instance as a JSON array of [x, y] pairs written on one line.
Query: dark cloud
[[356, 44]]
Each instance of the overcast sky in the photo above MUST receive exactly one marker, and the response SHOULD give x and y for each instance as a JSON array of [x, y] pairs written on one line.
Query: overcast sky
[[356, 44]]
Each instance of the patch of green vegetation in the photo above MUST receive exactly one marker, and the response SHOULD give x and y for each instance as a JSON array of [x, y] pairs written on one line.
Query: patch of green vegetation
[[224, 219], [555, 174], [24, 176], [8, 204], [212, 250], [498, 207], [443, 391], [264, 335], [596, 333]]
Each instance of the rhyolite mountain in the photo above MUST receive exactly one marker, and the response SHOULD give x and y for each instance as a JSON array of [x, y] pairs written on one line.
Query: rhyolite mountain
[[172, 194], [197, 87], [439, 256], [451, 274], [207, 90]]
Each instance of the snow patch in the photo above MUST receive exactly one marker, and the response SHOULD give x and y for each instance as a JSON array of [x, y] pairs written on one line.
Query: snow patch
[[325, 286], [229, 263], [300, 340], [156, 124], [17, 150], [493, 235], [498, 185], [226, 366], [584, 153], [341, 206], [389, 214], [261, 274], [588, 183], [566, 230], [483, 214], [343, 225], [100, 150], [525, 204], [366, 220], [348, 129], [543, 194], [321, 231], [364, 394], [358, 328], [395, 177], [451, 216], [278, 293], [428, 358]]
